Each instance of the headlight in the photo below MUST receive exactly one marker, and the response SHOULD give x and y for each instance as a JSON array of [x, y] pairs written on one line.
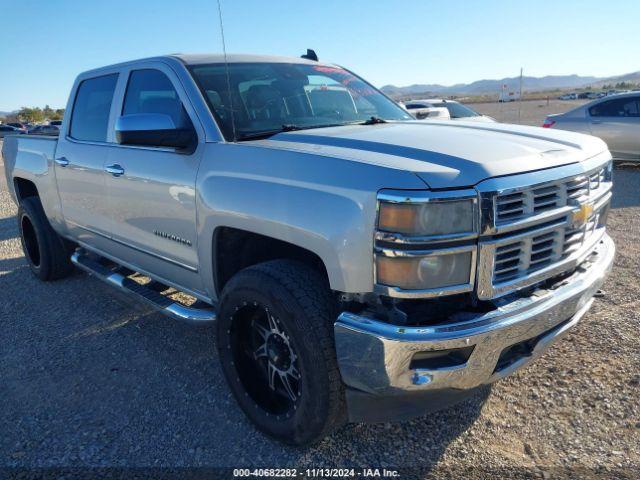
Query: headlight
[[428, 219], [433, 271], [429, 214], [426, 243]]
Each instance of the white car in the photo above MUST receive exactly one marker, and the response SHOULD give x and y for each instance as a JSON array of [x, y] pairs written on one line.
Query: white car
[[438, 108]]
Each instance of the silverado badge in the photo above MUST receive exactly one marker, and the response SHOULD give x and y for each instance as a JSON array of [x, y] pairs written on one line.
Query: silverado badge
[[170, 236]]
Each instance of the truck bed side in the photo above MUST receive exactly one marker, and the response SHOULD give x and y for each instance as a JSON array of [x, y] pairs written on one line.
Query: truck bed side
[[28, 161]]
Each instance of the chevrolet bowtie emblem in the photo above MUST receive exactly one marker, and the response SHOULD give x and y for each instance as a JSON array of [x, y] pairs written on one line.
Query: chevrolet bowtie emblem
[[581, 216]]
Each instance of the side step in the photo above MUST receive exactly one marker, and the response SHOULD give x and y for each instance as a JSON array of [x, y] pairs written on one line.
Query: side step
[[115, 278]]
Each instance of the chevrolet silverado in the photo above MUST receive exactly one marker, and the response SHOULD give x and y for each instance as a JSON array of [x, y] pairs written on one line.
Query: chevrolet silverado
[[358, 265]]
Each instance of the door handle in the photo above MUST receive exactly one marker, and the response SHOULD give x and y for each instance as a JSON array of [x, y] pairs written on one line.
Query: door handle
[[115, 170], [62, 161], [596, 122]]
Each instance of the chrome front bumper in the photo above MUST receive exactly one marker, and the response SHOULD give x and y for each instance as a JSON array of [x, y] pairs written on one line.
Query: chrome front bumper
[[375, 357]]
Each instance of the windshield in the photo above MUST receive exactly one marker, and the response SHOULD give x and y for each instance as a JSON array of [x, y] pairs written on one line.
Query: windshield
[[457, 110], [267, 98]]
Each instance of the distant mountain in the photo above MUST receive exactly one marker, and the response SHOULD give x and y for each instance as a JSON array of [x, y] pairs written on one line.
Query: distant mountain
[[633, 77], [550, 82], [4, 114]]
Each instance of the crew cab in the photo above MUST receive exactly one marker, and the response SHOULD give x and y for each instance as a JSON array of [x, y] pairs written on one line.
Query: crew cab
[[358, 265]]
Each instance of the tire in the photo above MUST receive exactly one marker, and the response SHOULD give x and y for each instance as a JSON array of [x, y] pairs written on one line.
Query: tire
[[47, 254], [295, 304]]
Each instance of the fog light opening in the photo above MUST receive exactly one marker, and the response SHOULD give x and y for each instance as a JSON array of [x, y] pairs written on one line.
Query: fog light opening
[[439, 359]]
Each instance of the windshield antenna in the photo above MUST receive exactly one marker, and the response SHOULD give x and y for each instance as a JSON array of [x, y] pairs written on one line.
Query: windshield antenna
[[226, 65]]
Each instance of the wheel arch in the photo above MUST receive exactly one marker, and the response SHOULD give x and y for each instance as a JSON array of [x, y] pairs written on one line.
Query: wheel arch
[[24, 188], [234, 249]]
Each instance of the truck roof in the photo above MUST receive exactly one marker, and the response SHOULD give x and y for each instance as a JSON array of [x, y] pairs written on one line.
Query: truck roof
[[204, 58]]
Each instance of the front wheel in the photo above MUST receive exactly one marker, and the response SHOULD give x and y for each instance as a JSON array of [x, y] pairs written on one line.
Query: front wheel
[[275, 340]]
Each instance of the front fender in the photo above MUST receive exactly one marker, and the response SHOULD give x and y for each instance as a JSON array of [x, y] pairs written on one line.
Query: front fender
[[323, 204]]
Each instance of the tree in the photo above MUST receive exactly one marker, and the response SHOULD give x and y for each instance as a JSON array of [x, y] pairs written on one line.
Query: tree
[[57, 114], [35, 114], [31, 114]]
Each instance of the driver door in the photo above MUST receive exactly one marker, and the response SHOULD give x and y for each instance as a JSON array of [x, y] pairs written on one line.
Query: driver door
[[151, 190]]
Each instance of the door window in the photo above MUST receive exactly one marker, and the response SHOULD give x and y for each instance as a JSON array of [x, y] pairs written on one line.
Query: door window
[[90, 115], [151, 91], [619, 107]]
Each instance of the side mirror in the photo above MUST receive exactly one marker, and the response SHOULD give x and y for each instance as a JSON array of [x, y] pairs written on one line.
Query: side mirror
[[153, 130]]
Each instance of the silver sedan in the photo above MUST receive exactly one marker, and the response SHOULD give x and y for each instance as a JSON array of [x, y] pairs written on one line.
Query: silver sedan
[[615, 119]]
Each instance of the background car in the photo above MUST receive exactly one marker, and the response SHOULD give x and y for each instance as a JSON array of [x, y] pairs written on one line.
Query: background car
[[443, 110], [20, 126], [615, 119], [56, 123], [44, 130], [8, 130]]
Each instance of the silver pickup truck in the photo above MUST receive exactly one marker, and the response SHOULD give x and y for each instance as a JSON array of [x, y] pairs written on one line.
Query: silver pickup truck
[[359, 265]]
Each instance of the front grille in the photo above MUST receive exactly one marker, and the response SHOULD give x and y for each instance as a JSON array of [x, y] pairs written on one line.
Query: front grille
[[528, 202], [539, 231], [527, 255]]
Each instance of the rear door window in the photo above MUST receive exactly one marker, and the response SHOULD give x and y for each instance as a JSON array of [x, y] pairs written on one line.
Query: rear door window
[[151, 91], [619, 107], [90, 116]]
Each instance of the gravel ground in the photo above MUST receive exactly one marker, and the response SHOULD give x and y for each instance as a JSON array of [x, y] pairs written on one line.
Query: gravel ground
[[531, 112], [91, 380]]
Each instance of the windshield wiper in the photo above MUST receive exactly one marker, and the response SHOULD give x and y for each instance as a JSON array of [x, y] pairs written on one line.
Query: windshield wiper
[[288, 127], [257, 135], [373, 120]]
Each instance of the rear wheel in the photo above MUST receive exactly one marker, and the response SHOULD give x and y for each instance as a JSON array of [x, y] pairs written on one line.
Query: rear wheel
[[46, 252], [275, 339]]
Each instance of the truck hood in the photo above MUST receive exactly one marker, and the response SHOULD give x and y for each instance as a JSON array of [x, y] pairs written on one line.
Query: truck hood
[[445, 154]]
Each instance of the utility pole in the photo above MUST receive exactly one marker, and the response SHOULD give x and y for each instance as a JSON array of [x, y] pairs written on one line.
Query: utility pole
[[520, 103]]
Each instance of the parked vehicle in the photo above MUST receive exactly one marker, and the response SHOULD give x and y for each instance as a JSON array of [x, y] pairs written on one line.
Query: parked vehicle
[[20, 126], [8, 130], [506, 96], [615, 119], [44, 130], [568, 96], [422, 110], [360, 265], [441, 109], [56, 123]]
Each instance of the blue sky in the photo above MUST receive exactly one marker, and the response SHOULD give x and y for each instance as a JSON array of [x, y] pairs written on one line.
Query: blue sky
[[44, 44]]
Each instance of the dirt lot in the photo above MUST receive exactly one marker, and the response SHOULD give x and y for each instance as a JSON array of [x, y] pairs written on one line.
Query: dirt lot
[[88, 380], [532, 112]]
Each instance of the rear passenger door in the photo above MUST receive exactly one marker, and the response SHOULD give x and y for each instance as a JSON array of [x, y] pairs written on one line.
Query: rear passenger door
[[80, 158], [152, 202], [617, 122]]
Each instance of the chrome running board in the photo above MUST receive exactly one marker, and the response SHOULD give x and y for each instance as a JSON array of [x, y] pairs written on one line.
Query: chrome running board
[[162, 303]]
